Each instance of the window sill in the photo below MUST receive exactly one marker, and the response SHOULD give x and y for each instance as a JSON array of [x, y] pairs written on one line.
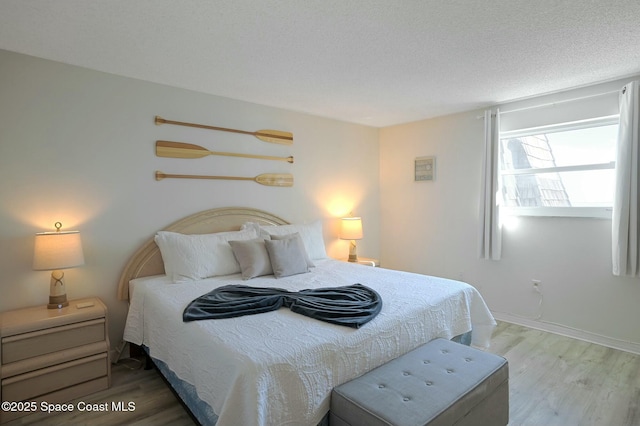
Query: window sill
[[582, 212]]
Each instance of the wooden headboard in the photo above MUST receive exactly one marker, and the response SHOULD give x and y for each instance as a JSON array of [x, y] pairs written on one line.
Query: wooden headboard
[[147, 261]]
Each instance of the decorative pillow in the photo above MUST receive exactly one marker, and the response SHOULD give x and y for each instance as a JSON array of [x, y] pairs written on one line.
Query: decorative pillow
[[311, 234], [198, 256], [253, 258], [310, 264], [287, 257]]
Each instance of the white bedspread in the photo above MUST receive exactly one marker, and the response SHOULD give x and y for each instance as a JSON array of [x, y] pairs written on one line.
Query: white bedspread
[[278, 368]]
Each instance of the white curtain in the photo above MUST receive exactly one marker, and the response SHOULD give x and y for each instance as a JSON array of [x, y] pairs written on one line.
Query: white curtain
[[625, 238], [490, 228]]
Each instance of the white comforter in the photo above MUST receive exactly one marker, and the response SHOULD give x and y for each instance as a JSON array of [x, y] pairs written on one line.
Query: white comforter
[[278, 368]]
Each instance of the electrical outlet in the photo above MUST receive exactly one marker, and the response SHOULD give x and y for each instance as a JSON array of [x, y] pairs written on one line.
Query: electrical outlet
[[536, 285]]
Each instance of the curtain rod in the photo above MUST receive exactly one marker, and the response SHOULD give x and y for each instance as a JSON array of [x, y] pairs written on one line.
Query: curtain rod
[[554, 103]]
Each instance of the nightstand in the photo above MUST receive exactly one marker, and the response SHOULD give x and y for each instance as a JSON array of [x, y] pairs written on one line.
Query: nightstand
[[54, 355], [365, 261]]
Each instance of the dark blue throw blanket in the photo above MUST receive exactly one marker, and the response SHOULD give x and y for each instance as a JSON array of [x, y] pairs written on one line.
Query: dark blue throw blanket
[[352, 305]]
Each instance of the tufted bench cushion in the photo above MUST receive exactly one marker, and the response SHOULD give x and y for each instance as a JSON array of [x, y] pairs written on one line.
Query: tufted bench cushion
[[439, 383]]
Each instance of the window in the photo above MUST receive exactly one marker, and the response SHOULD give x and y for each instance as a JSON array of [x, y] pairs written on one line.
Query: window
[[565, 169]]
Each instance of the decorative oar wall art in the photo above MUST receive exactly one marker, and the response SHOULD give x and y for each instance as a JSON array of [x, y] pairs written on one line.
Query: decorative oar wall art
[[268, 179], [184, 150], [273, 136], [187, 150]]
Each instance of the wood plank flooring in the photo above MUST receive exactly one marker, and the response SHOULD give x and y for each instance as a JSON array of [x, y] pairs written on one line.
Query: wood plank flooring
[[155, 404], [554, 380]]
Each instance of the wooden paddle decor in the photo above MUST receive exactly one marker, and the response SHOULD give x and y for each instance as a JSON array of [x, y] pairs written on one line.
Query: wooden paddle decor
[[188, 150], [273, 136], [268, 179]]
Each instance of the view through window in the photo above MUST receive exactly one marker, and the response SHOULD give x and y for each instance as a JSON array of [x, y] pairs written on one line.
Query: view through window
[[566, 169]]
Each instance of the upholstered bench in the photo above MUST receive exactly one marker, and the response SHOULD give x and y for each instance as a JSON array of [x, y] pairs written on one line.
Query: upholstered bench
[[439, 383]]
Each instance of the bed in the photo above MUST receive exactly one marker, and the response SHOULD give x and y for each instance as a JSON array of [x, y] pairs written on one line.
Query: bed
[[278, 367]]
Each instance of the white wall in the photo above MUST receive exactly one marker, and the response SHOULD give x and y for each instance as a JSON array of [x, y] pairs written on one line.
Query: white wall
[[77, 146], [431, 227]]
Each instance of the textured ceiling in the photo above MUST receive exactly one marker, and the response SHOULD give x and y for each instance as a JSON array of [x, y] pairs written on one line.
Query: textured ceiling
[[375, 62]]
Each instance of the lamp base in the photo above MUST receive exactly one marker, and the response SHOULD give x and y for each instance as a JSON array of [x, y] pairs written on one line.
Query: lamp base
[[57, 291], [57, 302], [353, 255]]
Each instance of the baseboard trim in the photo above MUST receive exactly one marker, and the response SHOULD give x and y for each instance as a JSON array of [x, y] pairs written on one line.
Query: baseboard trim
[[574, 333]]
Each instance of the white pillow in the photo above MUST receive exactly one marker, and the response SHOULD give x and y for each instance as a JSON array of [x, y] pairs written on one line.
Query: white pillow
[[199, 256], [311, 234]]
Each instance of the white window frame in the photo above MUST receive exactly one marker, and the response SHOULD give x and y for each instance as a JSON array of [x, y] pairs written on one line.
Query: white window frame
[[589, 212]]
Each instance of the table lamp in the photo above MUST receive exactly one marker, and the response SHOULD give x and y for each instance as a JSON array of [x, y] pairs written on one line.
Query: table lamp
[[54, 251], [351, 230]]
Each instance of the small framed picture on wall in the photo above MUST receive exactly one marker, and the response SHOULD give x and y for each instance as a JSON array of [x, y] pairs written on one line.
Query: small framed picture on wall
[[425, 169]]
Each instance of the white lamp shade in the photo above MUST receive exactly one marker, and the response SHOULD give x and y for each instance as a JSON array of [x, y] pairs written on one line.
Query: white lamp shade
[[351, 228], [57, 250]]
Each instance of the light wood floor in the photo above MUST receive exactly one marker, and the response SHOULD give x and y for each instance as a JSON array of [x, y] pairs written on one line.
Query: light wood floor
[[155, 404], [553, 380]]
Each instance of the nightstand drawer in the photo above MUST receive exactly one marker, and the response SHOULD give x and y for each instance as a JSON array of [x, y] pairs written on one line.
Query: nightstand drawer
[[36, 383], [27, 345]]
